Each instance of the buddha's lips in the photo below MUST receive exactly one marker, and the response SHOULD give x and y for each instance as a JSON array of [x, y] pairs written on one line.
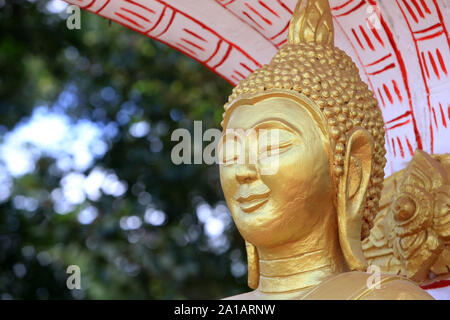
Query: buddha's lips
[[251, 206], [251, 201], [251, 196]]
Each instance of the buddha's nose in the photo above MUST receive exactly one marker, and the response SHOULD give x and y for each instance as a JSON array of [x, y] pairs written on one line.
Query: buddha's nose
[[246, 173]]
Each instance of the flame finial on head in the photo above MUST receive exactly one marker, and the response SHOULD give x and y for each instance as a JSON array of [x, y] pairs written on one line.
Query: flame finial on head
[[311, 22]]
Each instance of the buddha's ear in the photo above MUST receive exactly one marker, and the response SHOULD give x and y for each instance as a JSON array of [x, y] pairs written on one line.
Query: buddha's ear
[[252, 265], [351, 199]]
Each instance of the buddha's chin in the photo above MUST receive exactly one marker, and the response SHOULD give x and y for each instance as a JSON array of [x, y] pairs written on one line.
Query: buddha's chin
[[254, 225]]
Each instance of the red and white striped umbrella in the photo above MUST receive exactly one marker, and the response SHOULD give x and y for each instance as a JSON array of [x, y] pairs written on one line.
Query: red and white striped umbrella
[[402, 48]]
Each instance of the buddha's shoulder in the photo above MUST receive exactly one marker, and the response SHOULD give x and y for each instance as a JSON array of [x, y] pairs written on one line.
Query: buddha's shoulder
[[357, 286], [367, 286], [244, 296]]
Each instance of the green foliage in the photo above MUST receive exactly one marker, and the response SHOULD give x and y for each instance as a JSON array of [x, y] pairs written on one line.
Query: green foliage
[[119, 78]]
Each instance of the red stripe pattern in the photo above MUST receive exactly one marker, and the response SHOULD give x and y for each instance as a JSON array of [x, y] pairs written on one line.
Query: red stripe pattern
[[402, 49]]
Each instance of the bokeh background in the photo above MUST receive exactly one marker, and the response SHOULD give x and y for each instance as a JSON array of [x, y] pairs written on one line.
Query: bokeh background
[[85, 171]]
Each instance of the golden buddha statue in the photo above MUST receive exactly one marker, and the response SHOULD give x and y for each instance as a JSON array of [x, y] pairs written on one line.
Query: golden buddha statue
[[305, 224]]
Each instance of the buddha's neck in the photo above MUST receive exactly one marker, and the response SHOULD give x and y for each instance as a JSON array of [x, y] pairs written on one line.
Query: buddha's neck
[[293, 269]]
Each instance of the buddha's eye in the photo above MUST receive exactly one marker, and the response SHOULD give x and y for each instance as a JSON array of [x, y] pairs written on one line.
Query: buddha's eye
[[272, 142], [230, 150]]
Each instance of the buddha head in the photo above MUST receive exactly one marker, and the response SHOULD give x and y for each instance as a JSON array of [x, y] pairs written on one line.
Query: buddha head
[[329, 146]]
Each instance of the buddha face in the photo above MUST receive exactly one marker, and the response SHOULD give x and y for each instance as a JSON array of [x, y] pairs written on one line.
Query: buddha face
[[272, 207]]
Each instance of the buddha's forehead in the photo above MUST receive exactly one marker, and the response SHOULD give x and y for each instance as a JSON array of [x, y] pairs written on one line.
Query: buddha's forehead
[[273, 109]]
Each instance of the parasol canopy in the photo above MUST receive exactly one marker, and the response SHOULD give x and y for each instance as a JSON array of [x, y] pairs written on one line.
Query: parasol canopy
[[401, 47]]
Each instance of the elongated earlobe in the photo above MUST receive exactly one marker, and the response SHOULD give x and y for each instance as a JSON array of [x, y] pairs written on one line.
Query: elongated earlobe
[[352, 192], [253, 265]]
